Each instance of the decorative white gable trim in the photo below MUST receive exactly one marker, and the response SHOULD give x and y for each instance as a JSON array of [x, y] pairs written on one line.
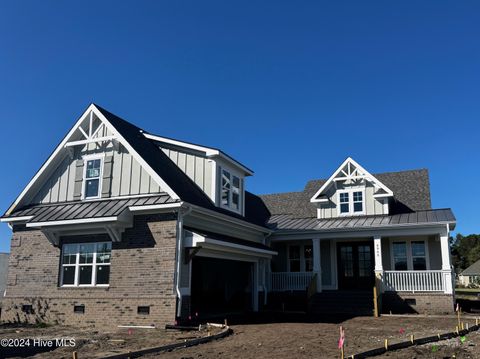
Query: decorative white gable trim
[[350, 170], [91, 137]]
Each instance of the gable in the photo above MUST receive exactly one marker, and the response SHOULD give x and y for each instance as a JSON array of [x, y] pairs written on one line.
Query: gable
[[92, 134], [350, 173]]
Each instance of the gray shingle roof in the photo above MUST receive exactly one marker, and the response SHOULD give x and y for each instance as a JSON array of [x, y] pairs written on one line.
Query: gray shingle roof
[[474, 269], [411, 190], [88, 209], [284, 222]]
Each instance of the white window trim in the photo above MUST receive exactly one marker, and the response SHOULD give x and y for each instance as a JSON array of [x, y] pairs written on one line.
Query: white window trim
[[408, 242], [350, 202], [77, 265], [230, 207], [303, 266], [85, 159]]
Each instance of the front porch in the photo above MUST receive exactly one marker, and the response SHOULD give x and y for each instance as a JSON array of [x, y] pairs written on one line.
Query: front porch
[[397, 263]]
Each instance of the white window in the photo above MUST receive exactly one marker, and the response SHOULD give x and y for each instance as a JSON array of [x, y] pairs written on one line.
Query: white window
[[294, 258], [351, 201], [92, 178], [86, 264], [300, 258], [400, 261], [409, 255], [231, 190]]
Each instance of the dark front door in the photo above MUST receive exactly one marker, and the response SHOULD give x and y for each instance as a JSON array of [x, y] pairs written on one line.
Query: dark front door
[[355, 265]]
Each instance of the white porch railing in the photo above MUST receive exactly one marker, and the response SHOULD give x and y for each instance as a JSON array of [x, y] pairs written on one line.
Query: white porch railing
[[416, 281], [281, 281]]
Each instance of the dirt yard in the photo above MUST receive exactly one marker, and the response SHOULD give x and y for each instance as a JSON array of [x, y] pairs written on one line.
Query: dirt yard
[[319, 340], [289, 337], [97, 344]]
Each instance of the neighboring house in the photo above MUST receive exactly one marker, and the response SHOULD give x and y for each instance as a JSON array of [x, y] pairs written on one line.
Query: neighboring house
[[471, 275], [122, 227]]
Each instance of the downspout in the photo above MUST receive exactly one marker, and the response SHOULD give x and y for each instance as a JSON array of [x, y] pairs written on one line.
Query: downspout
[[181, 215]]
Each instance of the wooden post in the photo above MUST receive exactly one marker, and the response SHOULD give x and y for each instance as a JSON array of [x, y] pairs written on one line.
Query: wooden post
[[375, 302], [412, 338], [459, 310], [386, 344], [74, 356]]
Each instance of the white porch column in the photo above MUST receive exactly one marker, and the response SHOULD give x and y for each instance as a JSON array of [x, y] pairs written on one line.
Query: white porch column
[[317, 263], [377, 248], [446, 266]]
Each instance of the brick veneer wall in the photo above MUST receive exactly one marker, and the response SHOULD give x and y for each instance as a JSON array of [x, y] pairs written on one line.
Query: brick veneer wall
[[141, 274], [422, 303]]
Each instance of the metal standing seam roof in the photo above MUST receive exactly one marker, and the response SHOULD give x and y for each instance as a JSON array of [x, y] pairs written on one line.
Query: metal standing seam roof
[[88, 209], [289, 223]]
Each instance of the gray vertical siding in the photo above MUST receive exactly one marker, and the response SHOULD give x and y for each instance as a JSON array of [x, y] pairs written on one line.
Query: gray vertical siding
[[279, 262], [194, 165], [326, 263], [435, 253], [128, 177]]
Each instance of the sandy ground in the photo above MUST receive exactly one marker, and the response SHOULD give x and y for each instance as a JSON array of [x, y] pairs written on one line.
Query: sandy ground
[[319, 340], [293, 336], [97, 344]]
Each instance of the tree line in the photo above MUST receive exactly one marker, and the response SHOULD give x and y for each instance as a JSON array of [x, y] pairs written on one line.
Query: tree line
[[465, 250]]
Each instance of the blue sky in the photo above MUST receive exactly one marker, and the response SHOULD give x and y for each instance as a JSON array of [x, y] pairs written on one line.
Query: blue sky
[[289, 88]]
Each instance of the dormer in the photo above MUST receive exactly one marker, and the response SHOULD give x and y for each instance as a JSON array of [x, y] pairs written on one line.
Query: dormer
[[352, 191], [218, 175]]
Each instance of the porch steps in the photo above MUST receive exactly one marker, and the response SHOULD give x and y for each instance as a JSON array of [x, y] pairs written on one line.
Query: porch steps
[[342, 302]]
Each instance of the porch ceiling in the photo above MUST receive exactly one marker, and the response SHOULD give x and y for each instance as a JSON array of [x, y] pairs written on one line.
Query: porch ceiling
[[434, 216]]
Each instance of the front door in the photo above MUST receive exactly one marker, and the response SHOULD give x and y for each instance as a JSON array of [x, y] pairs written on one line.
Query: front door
[[355, 265]]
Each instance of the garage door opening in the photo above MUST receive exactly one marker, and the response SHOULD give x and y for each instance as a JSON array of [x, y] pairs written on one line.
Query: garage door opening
[[221, 286]]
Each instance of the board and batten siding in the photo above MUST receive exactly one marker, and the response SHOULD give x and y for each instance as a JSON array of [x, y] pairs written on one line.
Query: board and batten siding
[[197, 167], [122, 173], [372, 205]]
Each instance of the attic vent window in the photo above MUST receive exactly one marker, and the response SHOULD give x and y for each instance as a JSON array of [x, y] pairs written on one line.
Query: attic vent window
[[93, 168]]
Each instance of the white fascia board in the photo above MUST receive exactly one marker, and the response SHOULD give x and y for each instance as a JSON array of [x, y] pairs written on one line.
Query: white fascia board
[[209, 152], [197, 240], [16, 219], [73, 221], [227, 218], [163, 185], [239, 246], [382, 195], [42, 169], [368, 176], [155, 207]]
